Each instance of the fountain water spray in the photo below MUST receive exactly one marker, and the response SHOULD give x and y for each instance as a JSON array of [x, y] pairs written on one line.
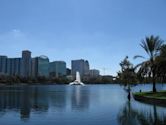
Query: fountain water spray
[[77, 81]]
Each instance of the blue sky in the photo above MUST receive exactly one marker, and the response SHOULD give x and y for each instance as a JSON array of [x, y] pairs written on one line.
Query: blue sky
[[101, 31]]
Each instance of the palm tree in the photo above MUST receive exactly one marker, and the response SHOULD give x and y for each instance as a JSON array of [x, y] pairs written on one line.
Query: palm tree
[[152, 46]]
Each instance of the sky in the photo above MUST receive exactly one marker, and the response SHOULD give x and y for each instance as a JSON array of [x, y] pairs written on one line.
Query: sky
[[100, 31]]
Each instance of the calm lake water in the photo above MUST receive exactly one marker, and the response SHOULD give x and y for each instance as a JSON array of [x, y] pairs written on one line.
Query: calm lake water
[[76, 105]]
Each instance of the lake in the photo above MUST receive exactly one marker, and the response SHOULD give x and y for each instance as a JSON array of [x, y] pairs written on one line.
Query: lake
[[76, 105]]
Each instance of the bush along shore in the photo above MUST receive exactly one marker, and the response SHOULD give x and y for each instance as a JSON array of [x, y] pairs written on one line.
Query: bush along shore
[[157, 98], [10, 80]]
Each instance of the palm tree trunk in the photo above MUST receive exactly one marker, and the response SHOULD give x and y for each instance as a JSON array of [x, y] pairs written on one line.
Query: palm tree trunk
[[154, 80], [154, 86], [153, 69]]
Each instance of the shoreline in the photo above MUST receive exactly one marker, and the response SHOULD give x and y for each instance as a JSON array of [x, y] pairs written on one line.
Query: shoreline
[[158, 98], [65, 83], [4, 84]]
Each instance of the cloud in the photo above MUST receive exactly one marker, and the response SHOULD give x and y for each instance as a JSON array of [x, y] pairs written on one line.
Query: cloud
[[14, 41], [16, 33], [12, 37]]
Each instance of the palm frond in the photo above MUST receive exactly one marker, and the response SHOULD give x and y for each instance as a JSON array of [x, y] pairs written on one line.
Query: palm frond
[[152, 45], [145, 46], [138, 56], [143, 64]]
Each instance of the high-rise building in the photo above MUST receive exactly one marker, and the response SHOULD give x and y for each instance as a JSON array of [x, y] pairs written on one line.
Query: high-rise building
[[3, 64], [40, 66], [68, 71], [94, 73], [9, 66], [34, 69], [13, 66], [82, 66], [86, 68], [57, 69], [26, 63], [43, 66], [17, 66]]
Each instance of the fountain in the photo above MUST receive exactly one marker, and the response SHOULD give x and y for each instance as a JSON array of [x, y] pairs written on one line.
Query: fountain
[[77, 81]]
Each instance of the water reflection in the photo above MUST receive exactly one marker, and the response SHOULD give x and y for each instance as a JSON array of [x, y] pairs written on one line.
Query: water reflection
[[40, 99], [95, 105], [23, 100], [132, 116], [58, 98], [80, 98], [28, 99], [25, 103]]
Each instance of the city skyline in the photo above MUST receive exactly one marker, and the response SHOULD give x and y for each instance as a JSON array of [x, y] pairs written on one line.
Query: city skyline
[[102, 32], [42, 56], [28, 66]]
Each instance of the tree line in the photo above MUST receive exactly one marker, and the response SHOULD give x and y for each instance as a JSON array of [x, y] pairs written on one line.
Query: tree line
[[153, 67]]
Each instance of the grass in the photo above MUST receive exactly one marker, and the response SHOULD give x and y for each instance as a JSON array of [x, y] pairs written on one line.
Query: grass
[[156, 95]]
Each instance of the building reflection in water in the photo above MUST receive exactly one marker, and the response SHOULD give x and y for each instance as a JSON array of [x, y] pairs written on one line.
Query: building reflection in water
[[40, 101], [10, 98], [24, 100], [37, 99], [80, 98], [25, 105], [132, 116], [58, 97]]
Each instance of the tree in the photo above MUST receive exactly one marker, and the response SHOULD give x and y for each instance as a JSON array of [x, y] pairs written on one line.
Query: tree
[[127, 74], [152, 46], [161, 64]]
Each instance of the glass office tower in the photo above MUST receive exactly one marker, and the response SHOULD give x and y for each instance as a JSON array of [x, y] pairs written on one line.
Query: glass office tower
[[57, 69], [40, 66], [43, 66]]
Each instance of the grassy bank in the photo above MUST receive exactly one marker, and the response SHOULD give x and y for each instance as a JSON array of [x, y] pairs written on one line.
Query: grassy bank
[[157, 95], [151, 97]]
